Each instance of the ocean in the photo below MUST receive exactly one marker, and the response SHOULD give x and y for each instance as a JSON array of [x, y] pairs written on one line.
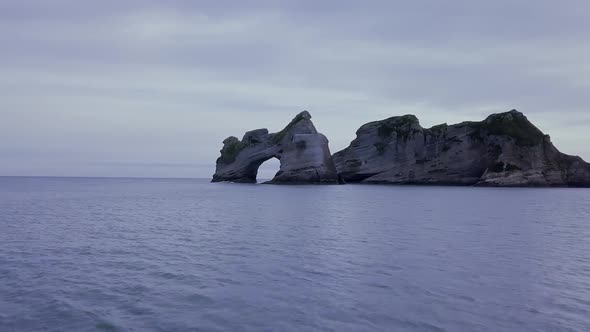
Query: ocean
[[115, 254]]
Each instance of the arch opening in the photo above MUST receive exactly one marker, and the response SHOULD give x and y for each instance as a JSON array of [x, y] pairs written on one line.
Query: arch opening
[[268, 169]]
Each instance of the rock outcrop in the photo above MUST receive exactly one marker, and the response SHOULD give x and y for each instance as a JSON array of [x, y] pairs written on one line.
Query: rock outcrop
[[503, 150], [302, 151]]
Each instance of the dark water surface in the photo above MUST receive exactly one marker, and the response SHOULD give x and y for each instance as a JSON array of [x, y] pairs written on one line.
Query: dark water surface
[[187, 255]]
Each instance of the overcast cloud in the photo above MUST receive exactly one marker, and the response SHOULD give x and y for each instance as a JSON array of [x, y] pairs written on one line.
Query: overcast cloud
[[151, 88]]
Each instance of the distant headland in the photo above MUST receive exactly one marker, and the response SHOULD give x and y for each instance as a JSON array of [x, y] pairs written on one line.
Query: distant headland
[[504, 150]]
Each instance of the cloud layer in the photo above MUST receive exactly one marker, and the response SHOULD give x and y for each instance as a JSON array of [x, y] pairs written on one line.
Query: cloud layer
[[140, 88]]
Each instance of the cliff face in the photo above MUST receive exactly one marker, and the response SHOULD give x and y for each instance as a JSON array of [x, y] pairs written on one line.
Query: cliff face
[[302, 151], [503, 150]]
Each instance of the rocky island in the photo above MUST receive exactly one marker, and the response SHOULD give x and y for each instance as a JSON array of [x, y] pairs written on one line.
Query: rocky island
[[504, 150], [303, 153]]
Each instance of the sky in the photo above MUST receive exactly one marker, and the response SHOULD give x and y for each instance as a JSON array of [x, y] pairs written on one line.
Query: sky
[[151, 88]]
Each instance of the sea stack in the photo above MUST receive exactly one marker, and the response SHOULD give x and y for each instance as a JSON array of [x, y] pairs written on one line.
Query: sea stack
[[503, 150], [303, 153]]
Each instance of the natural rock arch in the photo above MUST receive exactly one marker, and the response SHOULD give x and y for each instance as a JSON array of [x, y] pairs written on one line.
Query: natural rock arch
[[303, 154]]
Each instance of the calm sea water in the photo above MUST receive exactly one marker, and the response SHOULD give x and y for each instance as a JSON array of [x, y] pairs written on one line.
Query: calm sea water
[[185, 255]]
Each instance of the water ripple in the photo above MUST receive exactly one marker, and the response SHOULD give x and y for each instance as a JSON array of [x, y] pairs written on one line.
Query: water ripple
[[178, 255]]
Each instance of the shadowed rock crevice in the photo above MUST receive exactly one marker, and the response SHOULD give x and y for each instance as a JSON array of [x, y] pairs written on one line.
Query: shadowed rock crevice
[[303, 153], [503, 150]]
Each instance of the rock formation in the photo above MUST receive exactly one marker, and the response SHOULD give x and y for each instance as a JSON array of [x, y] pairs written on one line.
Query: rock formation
[[503, 150], [302, 151]]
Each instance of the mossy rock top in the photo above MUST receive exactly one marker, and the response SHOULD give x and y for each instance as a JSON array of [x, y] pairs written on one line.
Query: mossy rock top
[[231, 149], [513, 124], [402, 126], [277, 137]]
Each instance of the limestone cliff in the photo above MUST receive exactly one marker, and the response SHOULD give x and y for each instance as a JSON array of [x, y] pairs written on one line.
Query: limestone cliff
[[302, 151], [503, 150]]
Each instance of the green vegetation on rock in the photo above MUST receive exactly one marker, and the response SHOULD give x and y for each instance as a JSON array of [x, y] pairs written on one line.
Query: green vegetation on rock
[[439, 128], [512, 124], [231, 151], [517, 126], [401, 125], [281, 134]]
